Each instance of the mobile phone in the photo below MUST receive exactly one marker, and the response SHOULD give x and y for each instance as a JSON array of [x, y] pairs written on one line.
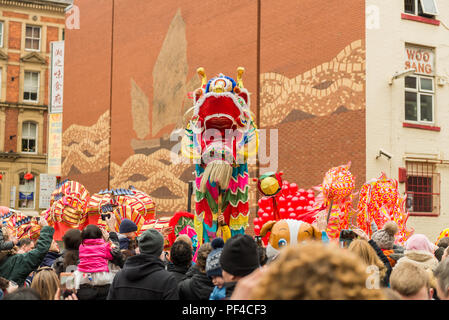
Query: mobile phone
[[37, 219], [67, 284]]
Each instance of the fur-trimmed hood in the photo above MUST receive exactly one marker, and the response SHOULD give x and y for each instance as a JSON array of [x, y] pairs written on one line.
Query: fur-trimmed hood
[[424, 258]]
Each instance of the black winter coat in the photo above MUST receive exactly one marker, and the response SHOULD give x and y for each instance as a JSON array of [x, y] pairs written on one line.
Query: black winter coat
[[179, 272], [198, 287], [143, 277]]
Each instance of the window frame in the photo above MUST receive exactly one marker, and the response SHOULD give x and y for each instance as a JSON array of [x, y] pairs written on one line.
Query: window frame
[[38, 86], [417, 5], [428, 170], [34, 192], [32, 37], [2, 23], [420, 92], [29, 138]]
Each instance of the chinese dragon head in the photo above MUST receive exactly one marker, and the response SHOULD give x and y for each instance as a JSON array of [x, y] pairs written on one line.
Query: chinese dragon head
[[220, 137]]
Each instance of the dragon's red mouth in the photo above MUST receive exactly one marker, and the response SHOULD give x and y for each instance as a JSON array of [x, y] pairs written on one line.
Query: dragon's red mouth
[[219, 123]]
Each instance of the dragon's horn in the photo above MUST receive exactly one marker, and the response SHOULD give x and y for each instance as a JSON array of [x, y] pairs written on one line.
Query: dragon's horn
[[202, 75], [240, 71]]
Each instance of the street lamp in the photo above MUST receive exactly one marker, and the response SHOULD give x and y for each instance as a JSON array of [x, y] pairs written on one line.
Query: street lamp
[[401, 74]]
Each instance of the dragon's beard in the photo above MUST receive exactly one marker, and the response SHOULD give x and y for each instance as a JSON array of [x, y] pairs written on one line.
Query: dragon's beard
[[217, 171]]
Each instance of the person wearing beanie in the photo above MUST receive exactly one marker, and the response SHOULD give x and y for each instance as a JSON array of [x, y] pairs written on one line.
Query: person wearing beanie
[[143, 276], [127, 234], [238, 259], [384, 238], [199, 286], [213, 270]]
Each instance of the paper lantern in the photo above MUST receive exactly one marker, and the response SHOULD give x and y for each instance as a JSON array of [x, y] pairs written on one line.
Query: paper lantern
[[28, 176]]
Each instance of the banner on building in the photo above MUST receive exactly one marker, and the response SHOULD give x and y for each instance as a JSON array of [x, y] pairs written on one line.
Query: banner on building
[[57, 76], [54, 143], [47, 185]]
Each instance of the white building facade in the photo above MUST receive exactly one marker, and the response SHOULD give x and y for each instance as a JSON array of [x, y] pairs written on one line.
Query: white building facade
[[407, 104]]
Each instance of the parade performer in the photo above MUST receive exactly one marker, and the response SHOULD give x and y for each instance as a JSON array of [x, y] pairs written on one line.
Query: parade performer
[[380, 201], [220, 137]]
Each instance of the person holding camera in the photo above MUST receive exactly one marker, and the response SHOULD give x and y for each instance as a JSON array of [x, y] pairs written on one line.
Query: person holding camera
[[17, 267]]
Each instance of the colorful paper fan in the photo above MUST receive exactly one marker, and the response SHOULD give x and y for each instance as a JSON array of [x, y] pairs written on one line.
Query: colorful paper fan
[[380, 201], [443, 234], [178, 222], [68, 209], [126, 212], [23, 226], [157, 224], [336, 192]]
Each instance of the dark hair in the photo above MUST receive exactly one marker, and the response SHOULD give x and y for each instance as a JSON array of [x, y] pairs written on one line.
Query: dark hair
[[181, 254], [24, 242], [444, 242], [439, 253], [262, 255], [91, 232], [72, 239], [23, 293]]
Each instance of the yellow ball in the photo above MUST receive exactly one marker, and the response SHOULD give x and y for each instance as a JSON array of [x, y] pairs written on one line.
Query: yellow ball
[[269, 186]]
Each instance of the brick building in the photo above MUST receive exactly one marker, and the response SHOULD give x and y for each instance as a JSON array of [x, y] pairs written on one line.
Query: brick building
[[27, 27], [306, 68]]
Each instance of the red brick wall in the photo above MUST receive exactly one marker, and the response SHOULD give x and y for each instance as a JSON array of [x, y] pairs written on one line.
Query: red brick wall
[[12, 92], [297, 36], [11, 121], [15, 34], [15, 15], [52, 35]]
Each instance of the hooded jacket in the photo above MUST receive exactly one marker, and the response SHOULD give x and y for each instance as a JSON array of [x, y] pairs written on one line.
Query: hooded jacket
[[421, 257], [17, 267], [198, 287], [143, 277]]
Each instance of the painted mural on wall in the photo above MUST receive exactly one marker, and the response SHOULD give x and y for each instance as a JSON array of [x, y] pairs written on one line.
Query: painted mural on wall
[[317, 92]]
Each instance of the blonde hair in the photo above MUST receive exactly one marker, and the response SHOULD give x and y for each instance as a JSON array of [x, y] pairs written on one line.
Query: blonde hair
[[315, 271], [407, 278], [46, 283], [364, 250]]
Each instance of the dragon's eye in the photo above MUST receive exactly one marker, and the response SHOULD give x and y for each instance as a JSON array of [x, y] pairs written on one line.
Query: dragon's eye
[[282, 242]]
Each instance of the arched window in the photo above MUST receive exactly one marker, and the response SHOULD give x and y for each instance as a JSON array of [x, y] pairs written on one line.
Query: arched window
[[29, 137], [26, 192]]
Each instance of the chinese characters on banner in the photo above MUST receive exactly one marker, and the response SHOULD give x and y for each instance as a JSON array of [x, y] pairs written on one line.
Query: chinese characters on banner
[[57, 76], [54, 143]]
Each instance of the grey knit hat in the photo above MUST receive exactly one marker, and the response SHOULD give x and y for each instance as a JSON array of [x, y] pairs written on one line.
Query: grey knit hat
[[151, 242], [213, 267], [384, 238]]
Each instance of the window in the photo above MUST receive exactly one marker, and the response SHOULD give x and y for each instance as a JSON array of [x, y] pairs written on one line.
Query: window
[[422, 187], [1, 34], [31, 86], [419, 99], [29, 137], [33, 38], [26, 192], [424, 8]]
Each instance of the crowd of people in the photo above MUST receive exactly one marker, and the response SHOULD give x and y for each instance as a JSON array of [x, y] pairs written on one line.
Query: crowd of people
[[96, 265]]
